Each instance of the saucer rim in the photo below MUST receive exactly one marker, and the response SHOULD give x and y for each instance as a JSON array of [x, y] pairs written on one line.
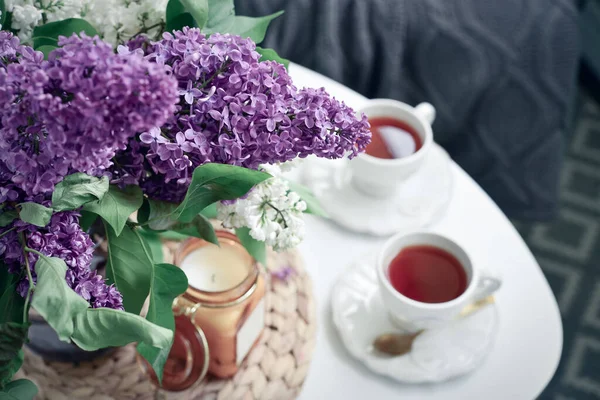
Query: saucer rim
[[361, 354], [366, 227]]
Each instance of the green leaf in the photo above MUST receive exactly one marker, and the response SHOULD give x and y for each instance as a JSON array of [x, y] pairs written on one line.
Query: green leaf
[[99, 328], [313, 206], [159, 215], [66, 27], [56, 302], [21, 389], [9, 369], [11, 303], [199, 227], [46, 49], [254, 28], [12, 337], [213, 182], [87, 219], [44, 41], [7, 23], [170, 235], [117, 205], [168, 282], [35, 214], [129, 266], [3, 11], [210, 211], [144, 212], [198, 9], [222, 19], [6, 217], [179, 22], [154, 244], [174, 8], [90, 328], [221, 14], [177, 17], [78, 189], [256, 248], [271, 55]]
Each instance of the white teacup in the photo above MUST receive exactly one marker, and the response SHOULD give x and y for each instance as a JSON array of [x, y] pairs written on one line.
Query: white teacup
[[412, 315], [380, 177]]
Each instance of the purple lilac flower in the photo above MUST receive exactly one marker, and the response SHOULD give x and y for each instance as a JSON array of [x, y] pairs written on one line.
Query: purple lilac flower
[[283, 273], [138, 43], [62, 238], [68, 114], [74, 111], [8, 190], [190, 92], [9, 48], [326, 127], [233, 110]]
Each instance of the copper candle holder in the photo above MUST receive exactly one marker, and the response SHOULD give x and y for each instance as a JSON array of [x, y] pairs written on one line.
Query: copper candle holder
[[225, 299]]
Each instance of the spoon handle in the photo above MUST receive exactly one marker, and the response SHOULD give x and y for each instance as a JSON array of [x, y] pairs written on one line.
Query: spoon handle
[[397, 344], [476, 306]]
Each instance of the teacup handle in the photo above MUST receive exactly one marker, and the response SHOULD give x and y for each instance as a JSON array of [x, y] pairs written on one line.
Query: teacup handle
[[487, 285], [426, 111]]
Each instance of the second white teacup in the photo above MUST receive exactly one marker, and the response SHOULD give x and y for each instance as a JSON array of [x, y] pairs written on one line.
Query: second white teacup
[[413, 315], [380, 177]]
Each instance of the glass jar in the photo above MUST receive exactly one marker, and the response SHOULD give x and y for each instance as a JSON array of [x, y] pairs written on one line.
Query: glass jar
[[224, 300]]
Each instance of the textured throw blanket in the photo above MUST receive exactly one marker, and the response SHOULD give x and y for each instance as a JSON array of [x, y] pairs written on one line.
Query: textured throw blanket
[[501, 75]]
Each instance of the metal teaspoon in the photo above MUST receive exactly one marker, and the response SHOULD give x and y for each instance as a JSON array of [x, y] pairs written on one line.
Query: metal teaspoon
[[397, 344]]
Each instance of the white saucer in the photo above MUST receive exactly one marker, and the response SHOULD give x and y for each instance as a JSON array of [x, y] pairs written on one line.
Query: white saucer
[[437, 354], [420, 200]]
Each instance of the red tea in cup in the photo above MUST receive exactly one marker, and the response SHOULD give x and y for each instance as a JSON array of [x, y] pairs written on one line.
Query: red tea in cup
[[392, 138], [427, 274], [427, 279]]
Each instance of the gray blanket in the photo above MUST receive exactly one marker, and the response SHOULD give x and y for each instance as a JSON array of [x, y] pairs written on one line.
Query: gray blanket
[[501, 75]]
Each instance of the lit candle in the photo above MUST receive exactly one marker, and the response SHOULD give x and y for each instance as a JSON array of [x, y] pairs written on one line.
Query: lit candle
[[225, 298], [216, 269]]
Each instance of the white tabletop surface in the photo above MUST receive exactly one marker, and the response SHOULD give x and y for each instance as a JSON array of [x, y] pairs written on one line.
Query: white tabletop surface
[[529, 342]]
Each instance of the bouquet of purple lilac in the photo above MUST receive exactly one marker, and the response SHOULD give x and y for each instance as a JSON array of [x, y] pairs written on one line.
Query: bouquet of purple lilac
[[196, 125], [236, 110]]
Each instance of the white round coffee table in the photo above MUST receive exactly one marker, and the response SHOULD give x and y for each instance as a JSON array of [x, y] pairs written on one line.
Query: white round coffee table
[[529, 342]]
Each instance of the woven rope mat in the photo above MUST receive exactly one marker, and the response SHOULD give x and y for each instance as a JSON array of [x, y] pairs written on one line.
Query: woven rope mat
[[274, 370]]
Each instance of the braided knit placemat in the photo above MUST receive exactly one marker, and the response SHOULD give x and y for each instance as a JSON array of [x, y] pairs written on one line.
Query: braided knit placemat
[[274, 370]]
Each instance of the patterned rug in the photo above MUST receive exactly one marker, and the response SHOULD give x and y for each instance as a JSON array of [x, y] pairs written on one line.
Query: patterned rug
[[568, 250]]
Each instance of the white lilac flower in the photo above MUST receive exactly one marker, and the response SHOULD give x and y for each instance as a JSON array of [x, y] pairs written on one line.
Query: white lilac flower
[[115, 20], [271, 211], [24, 19], [27, 14], [119, 20], [290, 165], [63, 9]]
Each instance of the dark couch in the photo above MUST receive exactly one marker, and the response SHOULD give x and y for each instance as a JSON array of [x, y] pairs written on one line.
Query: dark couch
[[500, 73]]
